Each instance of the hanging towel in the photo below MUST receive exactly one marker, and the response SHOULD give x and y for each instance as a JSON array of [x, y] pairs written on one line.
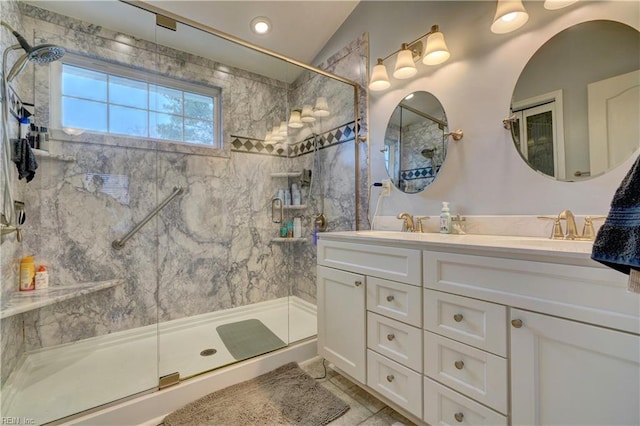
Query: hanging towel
[[617, 244], [25, 159]]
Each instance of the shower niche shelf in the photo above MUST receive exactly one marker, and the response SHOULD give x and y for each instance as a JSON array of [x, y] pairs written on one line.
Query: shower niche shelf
[[288, 240], [293, 174], [24, 301], [40, 153]]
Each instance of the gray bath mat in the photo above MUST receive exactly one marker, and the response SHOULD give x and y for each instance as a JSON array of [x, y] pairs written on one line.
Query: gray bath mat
[[284, 396], [248, 338]]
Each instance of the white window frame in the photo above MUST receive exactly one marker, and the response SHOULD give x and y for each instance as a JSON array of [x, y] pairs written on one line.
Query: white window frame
[[140, 75]]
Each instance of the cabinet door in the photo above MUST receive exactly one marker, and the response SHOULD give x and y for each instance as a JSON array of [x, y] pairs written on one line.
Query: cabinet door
[[569, 373], [341, 320]]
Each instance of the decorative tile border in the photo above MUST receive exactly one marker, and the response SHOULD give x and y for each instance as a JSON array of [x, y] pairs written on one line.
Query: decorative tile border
[[339, 135], [420, 173]]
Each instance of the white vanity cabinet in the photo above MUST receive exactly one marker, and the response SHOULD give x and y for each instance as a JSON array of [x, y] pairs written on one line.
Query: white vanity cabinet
[[504, 335]]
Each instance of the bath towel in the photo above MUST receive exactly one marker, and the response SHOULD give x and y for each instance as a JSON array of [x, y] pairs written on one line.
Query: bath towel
[[25, 159], [617, 244]]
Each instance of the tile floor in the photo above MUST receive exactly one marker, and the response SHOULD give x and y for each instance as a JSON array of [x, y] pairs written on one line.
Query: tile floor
[[366, 410]]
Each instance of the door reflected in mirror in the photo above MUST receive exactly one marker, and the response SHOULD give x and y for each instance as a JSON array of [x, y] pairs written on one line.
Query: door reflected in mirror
[[575, 107], [414, 144]]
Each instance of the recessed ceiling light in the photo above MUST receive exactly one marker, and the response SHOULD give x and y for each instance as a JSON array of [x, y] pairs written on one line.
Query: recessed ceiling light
[[260, 25]]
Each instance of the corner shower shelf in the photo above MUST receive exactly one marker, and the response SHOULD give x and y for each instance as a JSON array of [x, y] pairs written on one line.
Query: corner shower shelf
[[24, 301], [286, 174], [294, 207], [287, 240], [47, 154]]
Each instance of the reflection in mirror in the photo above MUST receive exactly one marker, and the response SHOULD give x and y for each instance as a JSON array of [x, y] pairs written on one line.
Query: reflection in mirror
[[575, 107], [414, 143]]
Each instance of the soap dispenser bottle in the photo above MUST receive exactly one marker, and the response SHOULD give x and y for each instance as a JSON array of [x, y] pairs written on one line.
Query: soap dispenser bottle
[[445, 218]]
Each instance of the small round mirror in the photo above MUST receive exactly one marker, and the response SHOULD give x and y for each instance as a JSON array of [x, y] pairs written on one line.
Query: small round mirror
[[414, 143], [575, 107]]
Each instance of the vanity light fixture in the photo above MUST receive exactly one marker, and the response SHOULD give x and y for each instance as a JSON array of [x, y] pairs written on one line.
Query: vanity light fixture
[[510, 15], [275, 134], [322, 107], [435, 53], [260, 25], [295, 119], [307, 114], [283, 130], [557, 4]]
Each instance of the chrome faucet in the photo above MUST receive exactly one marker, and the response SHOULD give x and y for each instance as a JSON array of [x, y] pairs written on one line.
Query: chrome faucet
[[407, 224]]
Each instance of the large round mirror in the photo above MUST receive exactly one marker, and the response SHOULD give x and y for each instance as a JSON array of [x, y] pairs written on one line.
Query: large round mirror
[[414, 143], [575, 107]]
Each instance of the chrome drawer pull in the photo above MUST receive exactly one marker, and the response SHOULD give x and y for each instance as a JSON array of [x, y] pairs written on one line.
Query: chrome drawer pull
[[517, 323], [457, 317], [458, 417], [390, 337], [358, 283], [459, 364], [390, 298], [390, 378]]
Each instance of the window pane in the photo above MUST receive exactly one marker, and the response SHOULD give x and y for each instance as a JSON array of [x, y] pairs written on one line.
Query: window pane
[[84, 83], [164, 99], [198, 106], [166, 126], [124, 91], [83, 114], [128, 121], [198, 131], [540, 142]]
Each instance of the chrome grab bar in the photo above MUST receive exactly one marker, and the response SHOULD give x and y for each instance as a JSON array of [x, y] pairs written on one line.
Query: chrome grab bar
[[119, 244]]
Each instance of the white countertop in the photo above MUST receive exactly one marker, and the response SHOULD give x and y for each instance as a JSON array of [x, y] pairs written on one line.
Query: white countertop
[[531, 248]]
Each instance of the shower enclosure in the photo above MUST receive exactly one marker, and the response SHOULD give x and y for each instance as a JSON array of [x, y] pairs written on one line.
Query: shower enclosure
[[152, 204]]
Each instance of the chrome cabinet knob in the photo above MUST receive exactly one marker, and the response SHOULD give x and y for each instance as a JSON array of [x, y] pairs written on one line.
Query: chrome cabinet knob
[[458, 416], [390, 298], [390, 378], [459, 364], [517, 323], [458, 317], [390, 337]]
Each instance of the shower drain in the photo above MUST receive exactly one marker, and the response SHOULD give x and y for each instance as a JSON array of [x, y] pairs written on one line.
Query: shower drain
[[208, 352]]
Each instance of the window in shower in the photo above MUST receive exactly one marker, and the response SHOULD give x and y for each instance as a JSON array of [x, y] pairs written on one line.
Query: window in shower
[[102, 97]]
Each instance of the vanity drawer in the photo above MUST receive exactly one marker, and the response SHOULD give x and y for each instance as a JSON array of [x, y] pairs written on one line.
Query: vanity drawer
[[474, 322], [400, 384], [443, 406], [475, 373], [398, 341], [393, 263], [395, 300]]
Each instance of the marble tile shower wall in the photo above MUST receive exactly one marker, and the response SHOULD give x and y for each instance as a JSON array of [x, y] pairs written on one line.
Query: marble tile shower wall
[[209, 248]]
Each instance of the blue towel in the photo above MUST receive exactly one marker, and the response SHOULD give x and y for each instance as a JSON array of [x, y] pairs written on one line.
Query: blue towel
[[617, 244]]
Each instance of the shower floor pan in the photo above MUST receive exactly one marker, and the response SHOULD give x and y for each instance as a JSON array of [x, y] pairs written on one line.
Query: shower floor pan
[[56, 382]]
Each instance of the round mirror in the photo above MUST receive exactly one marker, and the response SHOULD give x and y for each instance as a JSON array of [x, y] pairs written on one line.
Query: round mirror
[[414, 143], [575, 107]]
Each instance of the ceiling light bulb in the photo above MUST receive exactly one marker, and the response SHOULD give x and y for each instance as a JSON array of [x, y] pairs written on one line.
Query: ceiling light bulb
[[436, 51], [307, 114], [557, 4], [379, 77], [405, 67], [510, 15], [322, 107], [294, 120], [260, 25]]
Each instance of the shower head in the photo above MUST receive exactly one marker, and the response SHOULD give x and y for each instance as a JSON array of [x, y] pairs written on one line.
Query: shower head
[[41, 54]]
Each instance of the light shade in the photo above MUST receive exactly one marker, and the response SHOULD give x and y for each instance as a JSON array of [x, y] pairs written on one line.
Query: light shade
[[322, 107], [557, 4], [379, 78], [275, 134], [436, 51], [510, 15], [283, 131], [268, 138], [294, 119], [307, 114], [405, 67]]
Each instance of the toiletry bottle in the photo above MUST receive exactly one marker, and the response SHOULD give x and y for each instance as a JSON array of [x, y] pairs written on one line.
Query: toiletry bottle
[[24, 128], [295, 195], [287, 197], [42, 278], [297, 227], [445, 219], [27, 274]]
